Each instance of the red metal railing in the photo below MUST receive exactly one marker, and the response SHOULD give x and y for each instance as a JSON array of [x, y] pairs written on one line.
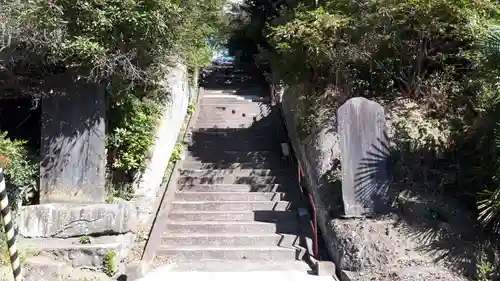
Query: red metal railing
[[300, 175], [314, 222]]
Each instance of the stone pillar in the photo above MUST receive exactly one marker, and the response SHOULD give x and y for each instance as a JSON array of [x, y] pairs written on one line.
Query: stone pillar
[[73, 151], [364, 157]]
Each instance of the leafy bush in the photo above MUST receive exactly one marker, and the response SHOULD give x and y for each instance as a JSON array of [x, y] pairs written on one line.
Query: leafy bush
[[436, 55], [21, 170], [122, 44], [134, 132]]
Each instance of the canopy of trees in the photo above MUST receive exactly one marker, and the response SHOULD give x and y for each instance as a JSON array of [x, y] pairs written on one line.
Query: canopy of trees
[[122, 44], [438, 58]]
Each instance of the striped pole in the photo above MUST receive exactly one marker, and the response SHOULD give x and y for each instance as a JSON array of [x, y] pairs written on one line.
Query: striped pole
[[10, 232]]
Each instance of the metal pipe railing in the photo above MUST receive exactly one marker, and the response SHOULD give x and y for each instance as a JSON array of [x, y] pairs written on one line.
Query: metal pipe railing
[[300, 173]]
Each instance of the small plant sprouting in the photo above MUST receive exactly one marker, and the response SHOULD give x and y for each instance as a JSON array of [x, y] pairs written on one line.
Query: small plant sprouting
[[109, 263], [84, 239]]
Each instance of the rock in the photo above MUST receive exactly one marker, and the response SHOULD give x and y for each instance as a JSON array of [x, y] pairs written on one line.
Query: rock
[[359, 246], [67, 220]]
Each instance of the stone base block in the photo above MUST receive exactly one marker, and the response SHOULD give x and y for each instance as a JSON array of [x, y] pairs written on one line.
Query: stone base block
[[68, 220]]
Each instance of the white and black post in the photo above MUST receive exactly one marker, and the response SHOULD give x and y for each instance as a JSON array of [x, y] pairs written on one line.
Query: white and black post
[[10, 232]]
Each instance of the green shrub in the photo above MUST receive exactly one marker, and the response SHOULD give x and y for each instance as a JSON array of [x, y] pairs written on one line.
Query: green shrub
[[191, 108], [134, 134], [176, 153], [21, 170]]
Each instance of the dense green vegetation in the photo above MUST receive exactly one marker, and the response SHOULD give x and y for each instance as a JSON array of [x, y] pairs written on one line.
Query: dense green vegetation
[[125, 45], [433, 64]]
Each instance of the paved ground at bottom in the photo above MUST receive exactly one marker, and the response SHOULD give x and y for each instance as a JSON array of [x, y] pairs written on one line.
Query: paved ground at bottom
[[164, 273]]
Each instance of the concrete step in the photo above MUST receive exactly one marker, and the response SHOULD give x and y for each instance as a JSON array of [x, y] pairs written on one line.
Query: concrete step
[[237, 107], [198, 165], [236, 188], [228, 124], [248, 133], [206, 206], [73, 252], [247, 273], [218, 99], [233, 172], [258, 180], [236, 146], [247, 266], [216, 115], [187, 227], [248, 216], [232, 135], [229, 239], [229, 196], [237, 112], [194, 253], [218, 156], [225, 132]]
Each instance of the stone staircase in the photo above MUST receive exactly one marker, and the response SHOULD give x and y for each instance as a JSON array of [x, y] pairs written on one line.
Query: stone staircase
[[236, 204]]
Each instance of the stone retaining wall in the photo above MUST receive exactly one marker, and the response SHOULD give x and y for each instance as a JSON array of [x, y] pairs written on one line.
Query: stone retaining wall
[[148, 184]]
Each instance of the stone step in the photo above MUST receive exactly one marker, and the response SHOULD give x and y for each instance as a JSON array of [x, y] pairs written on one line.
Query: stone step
[[229, 239], [236, 188], [250, 273], [229, 196], [234, 172], [236, 107], [221, 99], [194, 253], [76, 254], [226, 132], [234, 180], [250, 267], [235, 125], [235, 135], [40, 268], [280, 164], [216, 156], [206, 206], [227, 105], [228, 114], [236, 110], [236, 146], [248, 216], [187, 227]]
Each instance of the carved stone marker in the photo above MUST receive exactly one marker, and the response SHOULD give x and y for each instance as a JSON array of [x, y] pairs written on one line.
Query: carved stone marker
[[364, 157], [73, 151]]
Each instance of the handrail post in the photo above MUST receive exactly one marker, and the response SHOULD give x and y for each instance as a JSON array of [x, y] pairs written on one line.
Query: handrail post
[[8, 225]]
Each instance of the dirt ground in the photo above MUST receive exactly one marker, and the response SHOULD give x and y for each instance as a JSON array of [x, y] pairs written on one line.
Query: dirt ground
[[424, 239]]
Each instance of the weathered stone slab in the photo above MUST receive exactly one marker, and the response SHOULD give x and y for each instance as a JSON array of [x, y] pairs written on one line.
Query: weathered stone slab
[[66, 220], [72, 148], [79, 255], [364, 157]]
